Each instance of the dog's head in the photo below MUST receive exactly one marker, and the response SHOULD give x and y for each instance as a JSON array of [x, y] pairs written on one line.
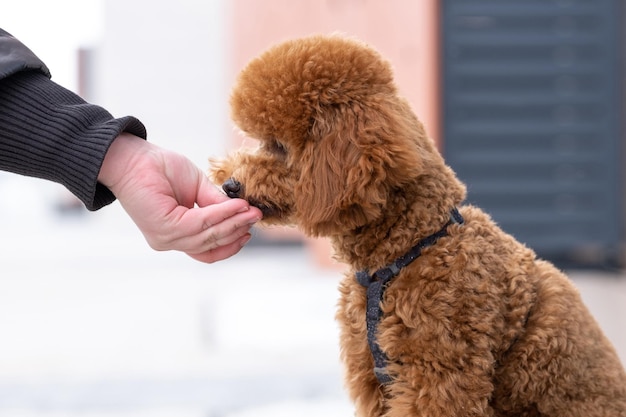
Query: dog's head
[[335, 138]]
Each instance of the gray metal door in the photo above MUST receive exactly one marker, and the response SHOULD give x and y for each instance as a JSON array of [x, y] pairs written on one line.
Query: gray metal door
[[532, 120]]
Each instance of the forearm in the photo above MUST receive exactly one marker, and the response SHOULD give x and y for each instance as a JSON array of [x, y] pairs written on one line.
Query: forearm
[[46, 131]]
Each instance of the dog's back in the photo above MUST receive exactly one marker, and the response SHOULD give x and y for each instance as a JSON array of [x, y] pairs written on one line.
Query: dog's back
[[562, 363], [559, 363]]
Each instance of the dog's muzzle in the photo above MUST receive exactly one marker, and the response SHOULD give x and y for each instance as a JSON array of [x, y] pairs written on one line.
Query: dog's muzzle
[[235, 189], [232, 188]]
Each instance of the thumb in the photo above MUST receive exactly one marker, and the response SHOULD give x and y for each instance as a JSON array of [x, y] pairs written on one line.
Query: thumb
[[209, 193]]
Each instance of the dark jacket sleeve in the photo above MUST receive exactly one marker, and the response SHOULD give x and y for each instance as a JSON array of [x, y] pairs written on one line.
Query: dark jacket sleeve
[[46, 131], [15, 57]]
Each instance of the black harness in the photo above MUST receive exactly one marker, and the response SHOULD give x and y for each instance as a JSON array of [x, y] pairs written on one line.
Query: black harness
[[376, 284]]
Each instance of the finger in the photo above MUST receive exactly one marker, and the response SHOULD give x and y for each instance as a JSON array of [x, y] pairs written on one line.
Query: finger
[[225, 218], [221, 235], [202, 229], [218, 212], [222, 252], [209, 193]]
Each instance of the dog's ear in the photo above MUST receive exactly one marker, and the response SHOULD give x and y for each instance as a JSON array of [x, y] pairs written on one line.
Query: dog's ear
[[354, 157]]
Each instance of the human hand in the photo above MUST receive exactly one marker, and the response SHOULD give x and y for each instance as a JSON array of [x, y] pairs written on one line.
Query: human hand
[[173, 203]]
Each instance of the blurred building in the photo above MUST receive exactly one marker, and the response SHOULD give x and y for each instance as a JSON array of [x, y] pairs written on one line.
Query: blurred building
[[165, 63]]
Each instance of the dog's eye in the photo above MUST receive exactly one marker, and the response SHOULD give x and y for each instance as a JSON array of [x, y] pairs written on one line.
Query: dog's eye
[[275, 147]]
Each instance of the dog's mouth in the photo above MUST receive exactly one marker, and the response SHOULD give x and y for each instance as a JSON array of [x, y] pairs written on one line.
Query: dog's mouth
[[234, 189], [268, 211]]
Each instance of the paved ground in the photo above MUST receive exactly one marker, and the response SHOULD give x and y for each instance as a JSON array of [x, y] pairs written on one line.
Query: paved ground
[[93, 323]]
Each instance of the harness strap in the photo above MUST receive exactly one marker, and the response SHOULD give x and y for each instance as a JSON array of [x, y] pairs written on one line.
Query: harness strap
[[376, 284]]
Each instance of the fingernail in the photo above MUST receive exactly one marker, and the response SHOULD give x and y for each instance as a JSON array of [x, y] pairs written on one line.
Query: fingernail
[[254, 220], [243, 209]]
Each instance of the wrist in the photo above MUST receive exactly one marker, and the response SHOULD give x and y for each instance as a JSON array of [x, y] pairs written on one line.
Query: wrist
[[120, 157]]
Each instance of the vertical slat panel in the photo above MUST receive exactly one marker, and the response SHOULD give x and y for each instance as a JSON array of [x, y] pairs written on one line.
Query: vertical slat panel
[[532, 119]]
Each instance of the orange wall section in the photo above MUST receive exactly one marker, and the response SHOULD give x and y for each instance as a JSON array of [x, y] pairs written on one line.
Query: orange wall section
[[406, 32]]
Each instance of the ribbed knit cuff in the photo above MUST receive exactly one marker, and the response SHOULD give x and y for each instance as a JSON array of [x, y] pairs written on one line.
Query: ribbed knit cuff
[[46, 131]]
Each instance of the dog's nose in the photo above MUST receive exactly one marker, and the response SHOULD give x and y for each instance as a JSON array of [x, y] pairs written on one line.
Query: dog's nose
[[232, 188]]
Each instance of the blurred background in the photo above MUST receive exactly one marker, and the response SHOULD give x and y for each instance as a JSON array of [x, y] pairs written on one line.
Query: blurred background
[[524, 98]]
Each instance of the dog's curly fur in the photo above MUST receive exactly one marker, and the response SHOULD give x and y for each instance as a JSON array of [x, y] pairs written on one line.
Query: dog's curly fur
[[476, 326]]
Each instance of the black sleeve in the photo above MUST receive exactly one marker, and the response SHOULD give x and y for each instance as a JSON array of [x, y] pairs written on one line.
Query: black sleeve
[[16, 57], [46, 131]]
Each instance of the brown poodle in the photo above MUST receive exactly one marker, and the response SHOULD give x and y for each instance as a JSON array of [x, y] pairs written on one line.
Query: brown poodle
[[442, 313]]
